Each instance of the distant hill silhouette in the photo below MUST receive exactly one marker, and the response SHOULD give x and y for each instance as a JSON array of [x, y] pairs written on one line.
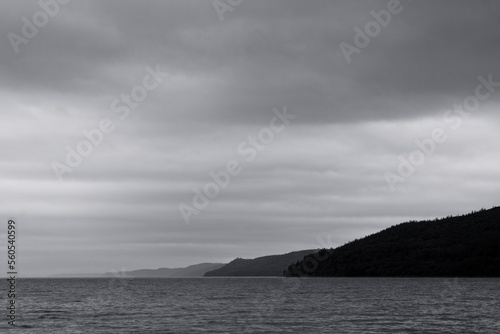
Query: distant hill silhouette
[[197, 270], [465, 246], [81, 275], [271, 265]]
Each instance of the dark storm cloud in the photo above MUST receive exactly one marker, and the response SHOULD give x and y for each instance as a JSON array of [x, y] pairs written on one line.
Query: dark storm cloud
[[263, 54]]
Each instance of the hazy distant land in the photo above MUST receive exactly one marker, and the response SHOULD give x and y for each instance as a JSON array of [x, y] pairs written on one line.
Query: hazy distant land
[[197, 270]]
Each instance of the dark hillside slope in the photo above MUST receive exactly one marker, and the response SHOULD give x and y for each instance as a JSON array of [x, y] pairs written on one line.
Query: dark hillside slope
[[271, 265], [466, 246]]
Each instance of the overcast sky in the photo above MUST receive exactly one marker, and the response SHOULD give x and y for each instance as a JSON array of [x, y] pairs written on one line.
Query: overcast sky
[[321, 180]]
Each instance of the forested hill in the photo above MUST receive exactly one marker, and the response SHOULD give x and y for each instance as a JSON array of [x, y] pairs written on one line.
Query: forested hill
[[271, 265], [465, 246]]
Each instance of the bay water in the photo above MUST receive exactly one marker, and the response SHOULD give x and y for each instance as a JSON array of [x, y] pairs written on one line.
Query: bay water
[[255, 305]]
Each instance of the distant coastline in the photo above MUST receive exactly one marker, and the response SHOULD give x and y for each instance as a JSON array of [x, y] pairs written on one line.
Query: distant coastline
[[455, 246]]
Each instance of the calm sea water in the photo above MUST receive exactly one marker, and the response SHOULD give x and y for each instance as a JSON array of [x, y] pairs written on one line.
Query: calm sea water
[[257, 305]]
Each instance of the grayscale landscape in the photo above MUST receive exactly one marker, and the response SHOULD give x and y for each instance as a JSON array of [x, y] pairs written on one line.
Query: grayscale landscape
[[250, 166]]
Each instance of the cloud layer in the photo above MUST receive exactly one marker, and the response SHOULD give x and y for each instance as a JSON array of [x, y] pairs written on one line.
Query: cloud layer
[[319, 180]]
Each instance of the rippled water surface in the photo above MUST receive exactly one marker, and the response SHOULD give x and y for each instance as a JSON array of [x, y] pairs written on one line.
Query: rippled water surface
[[257, 305]]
